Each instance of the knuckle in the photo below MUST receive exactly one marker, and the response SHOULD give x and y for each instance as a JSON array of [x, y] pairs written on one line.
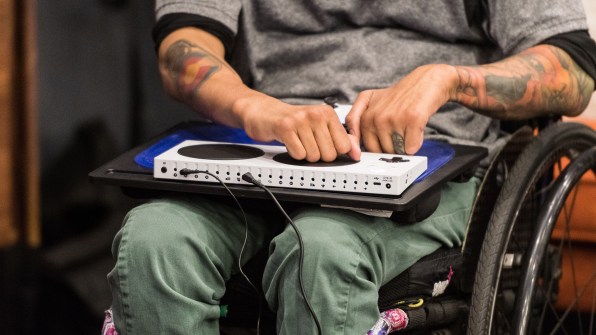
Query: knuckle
[[381, 122], [364, 93], [328, 157], [367, 127], [286, 124], [297, 154], [318, 115], [343, 146], [313, 156], [366, 122]]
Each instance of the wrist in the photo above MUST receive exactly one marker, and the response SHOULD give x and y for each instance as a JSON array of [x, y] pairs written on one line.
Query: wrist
[[452, 79], [250, 106], [443, 78]]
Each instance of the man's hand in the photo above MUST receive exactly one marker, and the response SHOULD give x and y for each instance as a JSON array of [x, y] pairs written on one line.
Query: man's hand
[[311, 132], [393, 119]]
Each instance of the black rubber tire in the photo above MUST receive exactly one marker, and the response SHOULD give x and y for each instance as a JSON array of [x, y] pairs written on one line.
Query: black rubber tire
[[559, 140]]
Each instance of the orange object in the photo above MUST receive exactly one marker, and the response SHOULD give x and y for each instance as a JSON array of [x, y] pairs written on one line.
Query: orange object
[[581, 210]]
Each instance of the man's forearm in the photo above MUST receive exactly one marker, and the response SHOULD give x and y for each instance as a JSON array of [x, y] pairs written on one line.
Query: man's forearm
[[194, 72], [539, 81]]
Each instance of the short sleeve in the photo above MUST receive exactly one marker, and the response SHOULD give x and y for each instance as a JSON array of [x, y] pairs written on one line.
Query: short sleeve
[[580, 47], [224, 11], [517, 25]]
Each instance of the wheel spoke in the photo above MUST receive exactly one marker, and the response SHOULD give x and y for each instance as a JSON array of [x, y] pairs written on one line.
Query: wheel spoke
[[547, 295], [567, 237], [574, 303]]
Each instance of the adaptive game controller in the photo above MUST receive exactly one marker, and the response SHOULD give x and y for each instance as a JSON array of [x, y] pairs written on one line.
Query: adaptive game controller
[[375, 173]]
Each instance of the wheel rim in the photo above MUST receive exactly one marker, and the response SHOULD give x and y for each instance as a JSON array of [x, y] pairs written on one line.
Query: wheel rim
[[547, 317]]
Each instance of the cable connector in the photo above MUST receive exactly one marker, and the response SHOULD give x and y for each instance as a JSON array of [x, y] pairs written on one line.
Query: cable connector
[[248, 177], [185, 172]]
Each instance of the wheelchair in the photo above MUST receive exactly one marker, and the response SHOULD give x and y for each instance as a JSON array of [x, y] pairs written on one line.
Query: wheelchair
[[518, 265], [508, 271]]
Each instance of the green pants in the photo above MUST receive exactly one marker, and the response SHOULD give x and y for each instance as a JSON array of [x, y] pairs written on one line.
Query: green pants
[[173, 257]]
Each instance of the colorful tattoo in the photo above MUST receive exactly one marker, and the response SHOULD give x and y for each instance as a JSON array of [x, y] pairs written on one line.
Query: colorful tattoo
[[541, 80], [506, 89], [584, 81], [189, 67]]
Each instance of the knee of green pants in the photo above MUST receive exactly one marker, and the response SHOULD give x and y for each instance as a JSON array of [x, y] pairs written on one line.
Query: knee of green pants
[[164, 234], [171, 265], [333, 269]]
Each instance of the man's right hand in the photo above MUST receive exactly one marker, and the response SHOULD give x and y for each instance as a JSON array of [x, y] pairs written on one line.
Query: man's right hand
[[310, 132]]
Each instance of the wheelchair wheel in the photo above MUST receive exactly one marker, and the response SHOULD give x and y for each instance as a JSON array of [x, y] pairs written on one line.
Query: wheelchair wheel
[[509, 234]]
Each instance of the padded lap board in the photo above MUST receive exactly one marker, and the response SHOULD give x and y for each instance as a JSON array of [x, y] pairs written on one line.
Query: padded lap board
[[133, 172], [437, 153]]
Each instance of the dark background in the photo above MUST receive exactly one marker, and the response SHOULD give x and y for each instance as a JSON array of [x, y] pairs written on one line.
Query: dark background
[[99, 95]]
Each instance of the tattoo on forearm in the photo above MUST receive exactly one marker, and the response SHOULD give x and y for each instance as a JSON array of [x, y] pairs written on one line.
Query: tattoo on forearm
[[584, 81], [506, 89], [541, 80], [189, 67]]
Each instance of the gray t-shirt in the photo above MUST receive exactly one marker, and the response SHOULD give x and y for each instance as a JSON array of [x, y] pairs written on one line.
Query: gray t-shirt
[[304, 50]]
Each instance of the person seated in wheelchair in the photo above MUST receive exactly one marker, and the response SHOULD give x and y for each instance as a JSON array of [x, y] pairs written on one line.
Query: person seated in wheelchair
[[412, 71]]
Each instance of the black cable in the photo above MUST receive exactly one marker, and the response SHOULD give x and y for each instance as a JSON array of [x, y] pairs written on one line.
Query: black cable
[[248, 177], [186, 172]]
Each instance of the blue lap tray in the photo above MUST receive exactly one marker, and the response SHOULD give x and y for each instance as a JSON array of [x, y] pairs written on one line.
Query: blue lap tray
[[437, 153]]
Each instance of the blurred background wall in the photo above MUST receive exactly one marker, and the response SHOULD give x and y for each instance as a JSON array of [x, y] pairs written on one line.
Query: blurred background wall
[[81, 86], [99, 95], [84, 73]]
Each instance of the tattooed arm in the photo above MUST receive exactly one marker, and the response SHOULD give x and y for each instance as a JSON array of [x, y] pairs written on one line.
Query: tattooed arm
[[194, 71], [542, 80], [192, 68], [539, 81]]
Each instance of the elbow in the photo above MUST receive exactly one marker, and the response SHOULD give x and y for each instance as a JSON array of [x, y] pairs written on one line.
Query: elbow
[[584, 88], [576, 111], [582, 99]]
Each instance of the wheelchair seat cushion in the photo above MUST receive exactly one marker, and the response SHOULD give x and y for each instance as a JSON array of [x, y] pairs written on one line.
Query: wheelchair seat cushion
[[432, 276]]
